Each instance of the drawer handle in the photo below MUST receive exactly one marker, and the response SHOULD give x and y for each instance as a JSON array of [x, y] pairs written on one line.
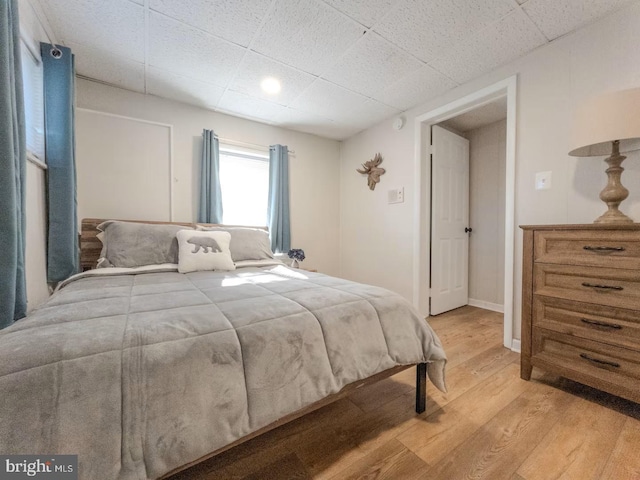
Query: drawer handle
[[601, 324], [599, 362], [603, 287], [603, 249]]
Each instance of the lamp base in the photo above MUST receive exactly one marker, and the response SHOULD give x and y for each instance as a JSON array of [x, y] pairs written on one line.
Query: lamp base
[[614, 193], [611, 216]]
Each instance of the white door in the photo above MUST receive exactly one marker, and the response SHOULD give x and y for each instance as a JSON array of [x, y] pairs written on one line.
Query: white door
[[449, 219]]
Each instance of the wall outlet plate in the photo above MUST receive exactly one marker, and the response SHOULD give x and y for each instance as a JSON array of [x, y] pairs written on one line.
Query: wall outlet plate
[[543, 181]]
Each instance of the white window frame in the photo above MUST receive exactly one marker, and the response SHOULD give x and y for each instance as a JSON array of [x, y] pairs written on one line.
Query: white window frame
[[36, 158]]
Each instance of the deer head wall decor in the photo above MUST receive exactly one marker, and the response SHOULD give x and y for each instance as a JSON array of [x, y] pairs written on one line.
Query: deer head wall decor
[[371, 169]]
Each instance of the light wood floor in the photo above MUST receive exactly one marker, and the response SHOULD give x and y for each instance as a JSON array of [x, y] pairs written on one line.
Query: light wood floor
[[490, 425]]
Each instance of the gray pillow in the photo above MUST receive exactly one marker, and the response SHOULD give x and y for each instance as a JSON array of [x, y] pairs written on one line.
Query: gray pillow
[[246, 243], [129, 244]]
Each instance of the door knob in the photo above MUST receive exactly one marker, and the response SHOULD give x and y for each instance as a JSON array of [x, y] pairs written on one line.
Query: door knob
[[468, 229]]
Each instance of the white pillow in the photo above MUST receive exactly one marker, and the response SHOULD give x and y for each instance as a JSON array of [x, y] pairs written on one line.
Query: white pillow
[[203, 251], [246, 243]]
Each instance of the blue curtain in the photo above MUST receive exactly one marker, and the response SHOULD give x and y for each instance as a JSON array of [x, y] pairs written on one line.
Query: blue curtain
[[59, 124], [278, 213], [13, 165], [210, 205]]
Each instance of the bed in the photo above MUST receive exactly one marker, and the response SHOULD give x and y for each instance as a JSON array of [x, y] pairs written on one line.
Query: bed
[[144, 371]]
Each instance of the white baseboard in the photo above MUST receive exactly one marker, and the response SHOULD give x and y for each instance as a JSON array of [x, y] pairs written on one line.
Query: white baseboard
[[515, 345], [494, 307]]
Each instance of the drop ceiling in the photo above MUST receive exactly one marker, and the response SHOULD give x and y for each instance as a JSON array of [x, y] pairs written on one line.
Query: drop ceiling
[[344, 65]]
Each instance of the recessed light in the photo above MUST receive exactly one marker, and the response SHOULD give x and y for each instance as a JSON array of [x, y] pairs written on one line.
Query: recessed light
[[270, 85]]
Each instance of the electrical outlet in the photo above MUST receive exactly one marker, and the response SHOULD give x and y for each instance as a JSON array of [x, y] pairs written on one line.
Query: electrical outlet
[[396, 195], [543, 181]]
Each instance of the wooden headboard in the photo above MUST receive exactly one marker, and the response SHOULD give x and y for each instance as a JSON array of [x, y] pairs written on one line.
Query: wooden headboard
[[91, 246]]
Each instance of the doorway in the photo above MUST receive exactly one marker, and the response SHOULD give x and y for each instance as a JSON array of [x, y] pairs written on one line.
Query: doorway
[[422, 219], [467, 209]]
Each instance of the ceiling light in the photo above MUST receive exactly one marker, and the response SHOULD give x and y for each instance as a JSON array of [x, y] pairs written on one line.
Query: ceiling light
[[270, 85]]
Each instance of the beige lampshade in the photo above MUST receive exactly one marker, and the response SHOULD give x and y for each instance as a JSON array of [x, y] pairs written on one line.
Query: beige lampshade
[[603, 119]]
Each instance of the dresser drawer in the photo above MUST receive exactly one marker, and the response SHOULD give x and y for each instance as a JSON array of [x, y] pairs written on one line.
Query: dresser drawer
[[605, 286], [611, 249], [600, 323], [613, 369]]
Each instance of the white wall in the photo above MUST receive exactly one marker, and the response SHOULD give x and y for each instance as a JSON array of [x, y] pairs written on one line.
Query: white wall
[[314, 170], [376, 242], [36, 260], [133, 155], [376, 238], [487, 165]]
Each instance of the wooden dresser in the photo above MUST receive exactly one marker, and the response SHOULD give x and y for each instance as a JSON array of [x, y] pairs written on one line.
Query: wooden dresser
[[581, 305]]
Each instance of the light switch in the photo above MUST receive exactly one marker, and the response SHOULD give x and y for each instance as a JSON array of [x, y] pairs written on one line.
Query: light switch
[[396, 195], [543, 181]]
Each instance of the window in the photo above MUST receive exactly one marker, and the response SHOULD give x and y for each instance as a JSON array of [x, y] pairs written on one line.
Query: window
[[33, 102], [244, 181]]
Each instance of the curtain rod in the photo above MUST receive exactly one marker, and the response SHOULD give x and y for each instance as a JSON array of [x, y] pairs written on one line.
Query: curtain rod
[[236, 143]]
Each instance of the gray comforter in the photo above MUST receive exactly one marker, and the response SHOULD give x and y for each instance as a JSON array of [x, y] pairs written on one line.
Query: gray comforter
[[139, 374]]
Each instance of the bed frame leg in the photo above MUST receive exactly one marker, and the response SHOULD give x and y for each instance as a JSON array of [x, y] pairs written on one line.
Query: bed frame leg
[[421, 387]]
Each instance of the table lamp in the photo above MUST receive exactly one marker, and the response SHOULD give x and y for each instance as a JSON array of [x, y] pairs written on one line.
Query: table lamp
[[609, 125]]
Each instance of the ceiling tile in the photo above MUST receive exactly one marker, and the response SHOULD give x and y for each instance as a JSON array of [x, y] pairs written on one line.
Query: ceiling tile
[[558, 17], [236, 21], [315, 124], [328, 100], [511, 37], [107, 67], [373, 62], [423, 28], [415, 88], [243, 105], [342, 106], [367, 12], [368, 114], [306, 34], [139, 2], [183, 89], [190, 52], [299, 117], [254, 68], [116, 26]]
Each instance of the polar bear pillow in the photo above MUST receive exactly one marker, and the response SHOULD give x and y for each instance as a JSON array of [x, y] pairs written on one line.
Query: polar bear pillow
[[203, 251]]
